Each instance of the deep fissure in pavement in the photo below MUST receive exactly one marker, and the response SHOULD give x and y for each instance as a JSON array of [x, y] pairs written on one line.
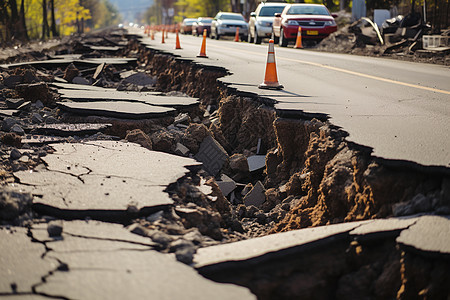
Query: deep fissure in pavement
[[306, 175]]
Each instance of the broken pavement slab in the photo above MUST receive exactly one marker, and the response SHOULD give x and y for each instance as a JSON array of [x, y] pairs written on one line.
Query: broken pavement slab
[[226, 184], [150, 98], [256, 162], [21, 261], [430, 234], [69, 129], [116, 109], [102, 179], [257, 250]]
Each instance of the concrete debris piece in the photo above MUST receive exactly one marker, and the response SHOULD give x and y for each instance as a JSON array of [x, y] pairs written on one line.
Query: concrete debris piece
[[98, 71], [256, 162], [14, 103], [212, 155], [256, 196], [37, 118], [21, 261], [116, 109], [103, 178], [238, 162], [181, 150], [55, 228], [25, 106], [150, 98], [69, 129], [12, 80], [70, 72], [428, 234], [17, 129], [141, 79], [81, 80], [226, 184], [126, 74], [8, 112], [182, 118], [256, 249]]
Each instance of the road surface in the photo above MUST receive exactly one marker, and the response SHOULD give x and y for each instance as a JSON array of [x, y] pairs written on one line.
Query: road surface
[[399, 109]]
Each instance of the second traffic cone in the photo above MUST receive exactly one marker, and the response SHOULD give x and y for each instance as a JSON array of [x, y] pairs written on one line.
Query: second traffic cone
[[236, 37], [177, 43], [152, 34], [162, 39], [298, 42], [203, 48], [270, 78]]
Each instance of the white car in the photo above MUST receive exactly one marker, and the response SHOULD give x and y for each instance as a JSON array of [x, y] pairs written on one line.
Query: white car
[[260, 23], [225, 23]]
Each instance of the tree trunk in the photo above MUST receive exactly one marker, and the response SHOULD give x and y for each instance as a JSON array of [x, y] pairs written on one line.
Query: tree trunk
[[45, 28], [54, 30], [23, 25]]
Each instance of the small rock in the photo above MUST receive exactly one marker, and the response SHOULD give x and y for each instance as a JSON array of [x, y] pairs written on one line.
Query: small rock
[[55, 228], [181, 150], [139, 230], [256, 162], [70, 73], [8, 123], [15, 154], [286, 206], [80, 80], [238, 163], [184, 250], [155, 217], [182, 118], [194, 236], [161, 238], [38, 104], [12, 204], [12, 81], [17, 130], [252, 211], [37, 118], [226, 184], [25, 106]]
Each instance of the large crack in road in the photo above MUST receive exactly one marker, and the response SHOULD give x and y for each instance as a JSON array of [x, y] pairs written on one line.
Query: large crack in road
[[285, 214]]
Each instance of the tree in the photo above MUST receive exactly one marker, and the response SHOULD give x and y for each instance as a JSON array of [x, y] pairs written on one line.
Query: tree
[[52, 9], [45, 28]]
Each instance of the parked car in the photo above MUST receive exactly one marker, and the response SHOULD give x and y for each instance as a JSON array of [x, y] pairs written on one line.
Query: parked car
[[186, 25], [225, 23], [315, 20], [201, 24], [260, 23]]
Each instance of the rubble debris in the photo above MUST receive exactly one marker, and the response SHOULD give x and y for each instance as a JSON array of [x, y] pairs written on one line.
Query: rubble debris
[[212, 155], [226, 184], [256, 195], [55, 228], [13, 204], [139, 137], [256, 162]]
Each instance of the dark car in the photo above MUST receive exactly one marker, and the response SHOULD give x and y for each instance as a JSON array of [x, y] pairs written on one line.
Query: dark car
[[226, 23], [186, 25], [315, 20], [201, 24]]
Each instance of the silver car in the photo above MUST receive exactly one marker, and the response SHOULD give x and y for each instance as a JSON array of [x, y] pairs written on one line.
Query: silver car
[[260, 23], [225, 23]]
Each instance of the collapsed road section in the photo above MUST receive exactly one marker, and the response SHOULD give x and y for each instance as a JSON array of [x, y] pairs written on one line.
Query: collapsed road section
[[117, 171]]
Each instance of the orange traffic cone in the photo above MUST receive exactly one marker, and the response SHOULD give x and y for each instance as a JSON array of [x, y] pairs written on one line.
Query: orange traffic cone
[[270, 79], [298, 42], [162, 39], [236, 37], [177, 43], [152, 34], [203, 48]]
